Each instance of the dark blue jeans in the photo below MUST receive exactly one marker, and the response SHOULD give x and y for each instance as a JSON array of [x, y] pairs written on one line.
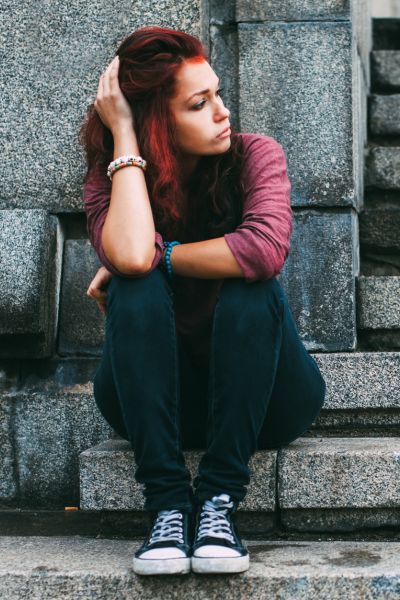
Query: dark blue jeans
[[261, 390]]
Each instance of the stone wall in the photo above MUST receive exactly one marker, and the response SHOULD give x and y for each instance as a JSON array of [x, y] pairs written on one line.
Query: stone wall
[[291, 70]]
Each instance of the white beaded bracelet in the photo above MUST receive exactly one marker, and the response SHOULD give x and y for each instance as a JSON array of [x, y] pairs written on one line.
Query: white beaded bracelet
[[125, 161]]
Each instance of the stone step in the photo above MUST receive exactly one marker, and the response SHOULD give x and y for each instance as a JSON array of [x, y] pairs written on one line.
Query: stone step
[[385, 70], [379, 223], [384, 114], [382, 167], [313, 484], [101, 569], [378, 302]]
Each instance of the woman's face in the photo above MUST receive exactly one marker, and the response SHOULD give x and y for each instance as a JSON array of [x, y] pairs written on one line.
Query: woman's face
[[199, 111]]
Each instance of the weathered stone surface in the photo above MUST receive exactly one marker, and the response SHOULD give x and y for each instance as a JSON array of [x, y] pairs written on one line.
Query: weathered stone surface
[[82, 324], [289, 10], [378, 302], [45, 568], [384, 114], [51, 427], [311, 117], [30, 257], [383, 167], [380, 223], [385, 69], [340, 473], [107, 478], [360, 380], [8, 480], [318, 277], [50, 73]]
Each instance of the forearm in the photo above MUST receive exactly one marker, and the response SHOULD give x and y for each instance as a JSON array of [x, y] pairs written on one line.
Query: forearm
[[209, 259], [128, 233]]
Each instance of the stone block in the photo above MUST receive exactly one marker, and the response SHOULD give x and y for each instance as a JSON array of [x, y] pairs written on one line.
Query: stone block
[[82, 324], [339, 483], [50, 73], [378, 302], [318, 277], [51, 427], [107, 478], [384, 114], [30, 255], [8, 477], [380, 224], [385, 69], [383, 167], [296, 84]]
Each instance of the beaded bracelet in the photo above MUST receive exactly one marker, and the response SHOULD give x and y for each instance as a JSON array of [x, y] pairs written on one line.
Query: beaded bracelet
[[125, 161], [168, 265]]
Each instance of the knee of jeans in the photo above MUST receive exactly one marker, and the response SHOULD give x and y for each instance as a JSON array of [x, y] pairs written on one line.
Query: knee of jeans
[[144, 291], [241, 302]]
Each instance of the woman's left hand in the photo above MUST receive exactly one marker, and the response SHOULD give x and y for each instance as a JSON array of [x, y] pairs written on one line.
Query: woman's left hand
[[95, 291]]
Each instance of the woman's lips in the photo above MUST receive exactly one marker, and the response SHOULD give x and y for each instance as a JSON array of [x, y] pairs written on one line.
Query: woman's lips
[[224, 133]]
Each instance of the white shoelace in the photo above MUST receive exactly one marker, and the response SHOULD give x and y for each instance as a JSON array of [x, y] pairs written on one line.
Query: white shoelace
[[167, 527], [213, 521]]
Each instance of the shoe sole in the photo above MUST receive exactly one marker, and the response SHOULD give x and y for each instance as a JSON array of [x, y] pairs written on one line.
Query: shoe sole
[[161, 566], [229, 564]]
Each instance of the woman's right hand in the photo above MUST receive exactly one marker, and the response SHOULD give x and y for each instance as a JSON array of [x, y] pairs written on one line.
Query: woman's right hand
[[110, 104]]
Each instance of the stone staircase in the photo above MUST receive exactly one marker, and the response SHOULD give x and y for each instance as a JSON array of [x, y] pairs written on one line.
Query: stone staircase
[[321, 516]]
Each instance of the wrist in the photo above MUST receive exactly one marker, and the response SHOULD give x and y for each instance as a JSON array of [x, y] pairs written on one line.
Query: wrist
[[124, 131]]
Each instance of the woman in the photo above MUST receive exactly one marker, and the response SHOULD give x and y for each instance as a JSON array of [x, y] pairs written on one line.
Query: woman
[[200, 350]]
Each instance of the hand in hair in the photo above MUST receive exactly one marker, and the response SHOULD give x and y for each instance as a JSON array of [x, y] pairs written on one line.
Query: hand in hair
[[110, 104]]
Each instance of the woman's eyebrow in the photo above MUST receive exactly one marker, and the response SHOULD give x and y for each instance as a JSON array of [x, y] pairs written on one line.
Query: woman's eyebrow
[[201, 92]]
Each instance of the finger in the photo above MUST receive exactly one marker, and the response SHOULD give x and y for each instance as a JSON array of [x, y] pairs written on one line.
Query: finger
[[106, 80], [113, 75]]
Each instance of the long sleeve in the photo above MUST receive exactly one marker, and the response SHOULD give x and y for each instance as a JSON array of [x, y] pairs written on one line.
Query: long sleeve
[[96, 201], [261, 243]]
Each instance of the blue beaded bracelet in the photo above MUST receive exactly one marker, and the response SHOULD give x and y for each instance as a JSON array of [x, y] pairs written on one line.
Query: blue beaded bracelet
[[169, 245]]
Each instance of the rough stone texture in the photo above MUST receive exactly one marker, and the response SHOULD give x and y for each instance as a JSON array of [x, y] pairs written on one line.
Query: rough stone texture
[[81, 328], [51, 428], [107, 478], [385, 69], [30, 258], [360, 380], [44, 568], [384, 114], [77, 40], [318, 277], [338, 473], [383, 167], [378, 302], [291, 10], [380, 224], [8, 483], [301, 94]]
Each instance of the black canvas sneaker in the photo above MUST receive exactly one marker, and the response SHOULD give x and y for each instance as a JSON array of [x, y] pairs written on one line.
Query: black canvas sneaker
[[217, 547], [168, 547]]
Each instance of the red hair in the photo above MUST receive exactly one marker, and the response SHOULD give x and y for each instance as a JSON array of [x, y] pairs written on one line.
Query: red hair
[[150, 59]]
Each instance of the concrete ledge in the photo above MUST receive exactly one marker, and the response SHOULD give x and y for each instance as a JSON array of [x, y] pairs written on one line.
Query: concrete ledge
[[72, 567]]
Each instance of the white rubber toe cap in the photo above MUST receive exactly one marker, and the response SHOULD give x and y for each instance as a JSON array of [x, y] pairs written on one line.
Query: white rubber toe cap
[[163, 553], [211, 551]]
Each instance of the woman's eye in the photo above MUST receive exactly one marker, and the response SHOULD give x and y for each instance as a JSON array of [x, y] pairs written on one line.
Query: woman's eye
[[201, 104]]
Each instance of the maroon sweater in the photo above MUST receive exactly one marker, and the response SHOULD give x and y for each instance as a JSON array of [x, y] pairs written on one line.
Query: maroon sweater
[[260, 244]]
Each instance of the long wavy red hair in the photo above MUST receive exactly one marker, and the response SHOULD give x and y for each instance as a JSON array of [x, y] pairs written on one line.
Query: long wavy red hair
[[150, 58]]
